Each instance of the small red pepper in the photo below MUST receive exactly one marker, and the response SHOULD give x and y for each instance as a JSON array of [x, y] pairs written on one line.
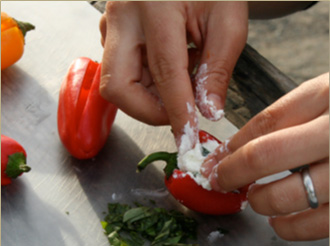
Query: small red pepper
[[13, 160], [84, 118], [184, 188]]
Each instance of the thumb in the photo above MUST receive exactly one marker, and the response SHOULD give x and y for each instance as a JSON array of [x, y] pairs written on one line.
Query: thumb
[[225, 40]]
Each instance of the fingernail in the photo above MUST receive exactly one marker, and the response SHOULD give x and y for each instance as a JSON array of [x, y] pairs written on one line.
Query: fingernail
[[213, 158], [214, 100], [216, 105], [213, 178], [211, 106], [251, 187], [222, 150], [208, 165]]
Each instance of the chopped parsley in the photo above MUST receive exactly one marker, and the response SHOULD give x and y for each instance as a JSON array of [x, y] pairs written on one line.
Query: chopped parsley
[[125, 225]]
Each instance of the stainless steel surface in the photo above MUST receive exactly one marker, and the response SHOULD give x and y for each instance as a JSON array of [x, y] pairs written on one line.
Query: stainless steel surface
[[62, 200]]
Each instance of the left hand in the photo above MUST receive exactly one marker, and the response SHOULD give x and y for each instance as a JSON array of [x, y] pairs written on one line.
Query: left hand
[[292, 132], [146, 65]]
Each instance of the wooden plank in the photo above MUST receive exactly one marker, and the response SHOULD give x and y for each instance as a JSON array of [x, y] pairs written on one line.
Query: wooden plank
[[99, 5], [256, 84]]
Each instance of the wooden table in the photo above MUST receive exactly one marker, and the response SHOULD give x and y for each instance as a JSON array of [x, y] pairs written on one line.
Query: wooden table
[[62, 200]]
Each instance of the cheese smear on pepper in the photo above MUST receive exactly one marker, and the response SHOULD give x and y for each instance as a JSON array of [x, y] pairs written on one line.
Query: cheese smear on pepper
[[191, 160]]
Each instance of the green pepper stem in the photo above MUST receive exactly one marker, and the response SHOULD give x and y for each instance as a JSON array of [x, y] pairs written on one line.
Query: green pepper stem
[[169, 158], [24, 168], [24, 26], [16, 165]]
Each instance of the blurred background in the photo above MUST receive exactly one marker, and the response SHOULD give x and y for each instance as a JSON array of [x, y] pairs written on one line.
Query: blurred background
[[297, 44]]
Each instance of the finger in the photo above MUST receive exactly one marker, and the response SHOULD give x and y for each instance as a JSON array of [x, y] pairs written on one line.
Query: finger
[[224, 41], [303, 104], [275, 152], [288, 195], [215, 158], [312, 224], [168, 63], [103, 28], [122, 69]]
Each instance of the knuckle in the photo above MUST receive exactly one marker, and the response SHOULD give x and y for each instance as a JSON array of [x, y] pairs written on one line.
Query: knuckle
[[257, 154], [250, 155], [178, 114], [276, 202], [163, 71], [264, 122], [219, 73], [108, 89]]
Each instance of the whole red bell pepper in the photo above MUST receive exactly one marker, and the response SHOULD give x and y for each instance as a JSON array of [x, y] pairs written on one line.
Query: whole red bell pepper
[[84, 118], [13, 160], [184, 188]]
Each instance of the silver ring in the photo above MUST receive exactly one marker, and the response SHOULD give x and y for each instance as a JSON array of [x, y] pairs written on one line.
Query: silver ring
[[309, 187]]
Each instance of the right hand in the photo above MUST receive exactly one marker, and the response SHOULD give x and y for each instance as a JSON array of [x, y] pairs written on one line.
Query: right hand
[[292, 132]]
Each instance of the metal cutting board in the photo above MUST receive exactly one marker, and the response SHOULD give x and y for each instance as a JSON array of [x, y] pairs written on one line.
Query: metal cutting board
[[62, 200]]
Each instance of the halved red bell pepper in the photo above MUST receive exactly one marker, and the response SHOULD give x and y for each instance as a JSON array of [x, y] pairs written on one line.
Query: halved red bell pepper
[[84, 118], [13, 160], [184, 188]]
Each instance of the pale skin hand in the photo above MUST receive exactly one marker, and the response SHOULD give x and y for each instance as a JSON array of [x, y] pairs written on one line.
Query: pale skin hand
[[146, 65], [292, 132]]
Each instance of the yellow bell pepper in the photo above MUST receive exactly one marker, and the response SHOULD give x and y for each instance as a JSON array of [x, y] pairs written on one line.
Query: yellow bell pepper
[[12, 39]]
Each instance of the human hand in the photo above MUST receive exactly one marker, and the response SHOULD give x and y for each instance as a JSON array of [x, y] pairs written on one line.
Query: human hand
[[292, 132], [146, 65]]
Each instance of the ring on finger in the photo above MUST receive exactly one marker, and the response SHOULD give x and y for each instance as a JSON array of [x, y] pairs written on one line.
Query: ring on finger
[[309, 188]]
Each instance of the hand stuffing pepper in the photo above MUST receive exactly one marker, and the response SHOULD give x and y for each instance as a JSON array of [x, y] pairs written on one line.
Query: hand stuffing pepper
[[13, 160], [84, 118], [12, 39], [192, 195]]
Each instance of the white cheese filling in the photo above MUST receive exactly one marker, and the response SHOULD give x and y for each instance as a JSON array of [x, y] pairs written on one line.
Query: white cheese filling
[[192, 160]]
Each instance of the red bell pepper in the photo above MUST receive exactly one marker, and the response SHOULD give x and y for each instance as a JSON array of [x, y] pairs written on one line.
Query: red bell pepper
[[13, 160], [184, 188], [84, 118]]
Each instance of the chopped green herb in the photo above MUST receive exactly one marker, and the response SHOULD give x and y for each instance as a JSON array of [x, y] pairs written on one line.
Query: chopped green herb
[[135, 226], [205, 151]]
